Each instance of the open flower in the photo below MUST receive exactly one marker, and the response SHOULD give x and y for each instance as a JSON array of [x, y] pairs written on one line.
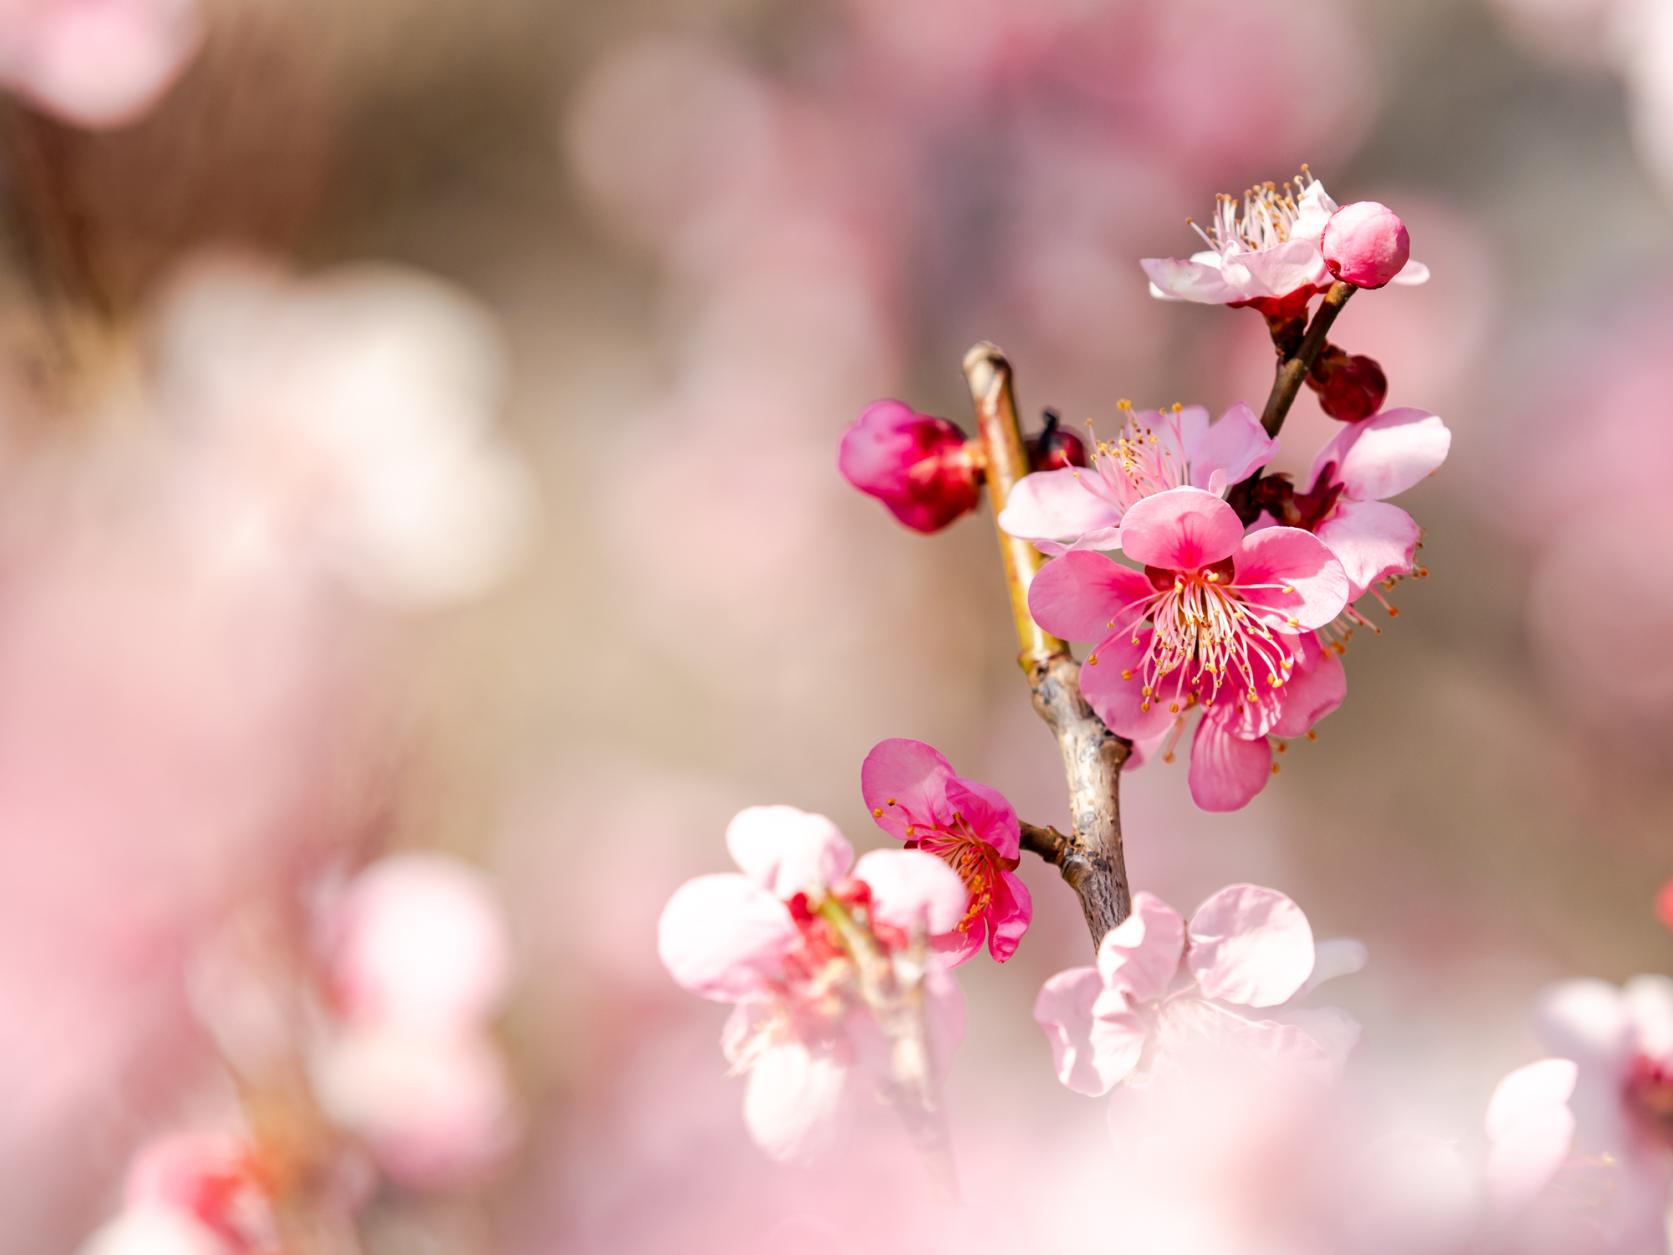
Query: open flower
[[1263, 250], [914, 795], [818, 962], [1157, 449], [1217, 618], [1164, 990]]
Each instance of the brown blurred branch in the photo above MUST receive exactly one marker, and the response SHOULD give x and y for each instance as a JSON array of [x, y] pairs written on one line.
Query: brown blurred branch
[[1091, 857], [1293, 368]]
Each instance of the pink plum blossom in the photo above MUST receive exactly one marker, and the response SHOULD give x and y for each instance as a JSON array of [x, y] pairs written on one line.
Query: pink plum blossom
[[1366, 244], [793, 942], [1346, 503], [914, 795], [1530, 1131], [1071, 508], [918, 466], [1263, 250], [96, 63], [1164, 990], [1213, 607]]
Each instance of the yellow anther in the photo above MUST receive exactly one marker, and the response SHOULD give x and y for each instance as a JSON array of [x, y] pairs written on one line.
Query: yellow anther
[[876, 812]]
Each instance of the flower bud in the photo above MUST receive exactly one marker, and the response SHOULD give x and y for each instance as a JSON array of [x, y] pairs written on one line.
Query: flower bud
[[1366, 244], [1055, 447], [921, 467], [1349, 387]]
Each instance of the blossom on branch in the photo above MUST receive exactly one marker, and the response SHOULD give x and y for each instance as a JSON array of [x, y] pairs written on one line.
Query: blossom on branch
[[921, 467]]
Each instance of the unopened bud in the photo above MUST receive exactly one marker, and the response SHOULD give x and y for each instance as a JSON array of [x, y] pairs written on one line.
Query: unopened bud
[[922, 468], [1055, 447], [1366, 244], [1349, 387]]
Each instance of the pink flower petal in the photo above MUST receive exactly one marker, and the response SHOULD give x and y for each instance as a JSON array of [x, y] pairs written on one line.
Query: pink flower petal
[[905, 782], [912, 890], [1112, 687], [1587, 1021], [1174, 278], [1064, 1010], [787, 851], [1009, 916], [1382, 456], [988, 813], [793, 1099], [1079, 595], [1182, 529], [1284, 268], [1063, 505], [723, 936], [1291, 572], [1251, 946], [1234, 447], [1530, 1129], [1371, 539], [1227, 771], [1412, 274], [1140, 956], [1317, 685]]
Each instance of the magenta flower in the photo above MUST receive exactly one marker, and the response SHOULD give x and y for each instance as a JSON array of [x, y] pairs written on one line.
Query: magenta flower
[[1163, 991], [1157, 450], [914, 795], [1346, 501], [778, 941], [1262, 250], [918, 466], [1214, 609]]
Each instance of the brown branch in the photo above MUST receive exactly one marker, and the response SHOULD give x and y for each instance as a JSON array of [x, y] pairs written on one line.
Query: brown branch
[[1091, 858], [1292, 370]]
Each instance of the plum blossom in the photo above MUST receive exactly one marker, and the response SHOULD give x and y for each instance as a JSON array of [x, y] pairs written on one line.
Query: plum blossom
[[918, 466], [914, 795], [1263, 250], [1366, 244], [1213, 607], [827, 965], [1071, 508], [1164, 990], [96, 63]]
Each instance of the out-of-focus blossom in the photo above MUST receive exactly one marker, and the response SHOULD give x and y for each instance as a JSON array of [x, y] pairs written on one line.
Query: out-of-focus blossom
[[914, 795], [1530, 1131], [826, 969], [1166, 994], [188, 1193], [1213, 607], [918, 466], [1664, 904], [1069, 509], [350, 418], [96, 63], [155, 1231], [1263, 250], [1366, 244]]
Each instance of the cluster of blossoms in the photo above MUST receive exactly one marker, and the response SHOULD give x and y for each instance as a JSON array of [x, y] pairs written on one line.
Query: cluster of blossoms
[[412, 961]]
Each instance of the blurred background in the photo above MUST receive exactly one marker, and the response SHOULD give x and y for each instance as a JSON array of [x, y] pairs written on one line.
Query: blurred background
[[629, 269]]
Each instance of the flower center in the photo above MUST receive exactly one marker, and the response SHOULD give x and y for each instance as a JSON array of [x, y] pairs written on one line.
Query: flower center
[[1262, 218], [1142, 461], [1649, 1094], [977, 863]]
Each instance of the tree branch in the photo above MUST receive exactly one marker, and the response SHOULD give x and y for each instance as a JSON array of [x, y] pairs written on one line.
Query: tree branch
[[1292, 370], [1091, 858]]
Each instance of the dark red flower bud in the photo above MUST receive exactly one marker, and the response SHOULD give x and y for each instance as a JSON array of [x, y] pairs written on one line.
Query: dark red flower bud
[[1055, 447], [921, 467], [1349, 387]]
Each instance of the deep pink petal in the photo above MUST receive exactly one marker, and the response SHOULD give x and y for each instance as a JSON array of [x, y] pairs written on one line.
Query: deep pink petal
[[1250, 945], [724, 937], [1079, 595], [1112, 687], [1064, 1010], [913, 890], [1227, 771], [1063, 505], [1235, 446], [1316, 686], [959, 946], [1140, 956], [1182, 529], [1371, 539], [905, 782], [1293, 573], [1175, 278], [1009, 916], [786, 851], [1382, 456], [987, 813]]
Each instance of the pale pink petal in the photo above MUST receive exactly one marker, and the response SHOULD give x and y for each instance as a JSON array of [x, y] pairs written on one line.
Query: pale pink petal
[[1227, 771], [1587, 1021], [1182, 529], [787, 851], [1081, 595], [1285, 268], [1414, 273], [1060, 505], [1064, 1010], [904, 782], [1649, 1001], [1292, 573], [943, 1015], [1382, 456], [1174, 278], [1250, 945], [153, 1230], [913, 890], [1335, 958], [1371, 539], [1530, 1130], [1009, 916], [1317, 685], [1234, 447], [1334, 1032], [959, 946], [988, 813], [1191, 1033], [1313, 214], [724, 937], [1111, 685], [792, 1100], [1139, 957]]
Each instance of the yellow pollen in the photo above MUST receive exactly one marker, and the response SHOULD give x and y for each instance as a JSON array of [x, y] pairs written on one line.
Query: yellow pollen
[[1092, 660], [1126, 674], [1167, 757], [1312, 735], [1173, 708], [891, 801], [1274, 768], [1282, 746], [876, 812]]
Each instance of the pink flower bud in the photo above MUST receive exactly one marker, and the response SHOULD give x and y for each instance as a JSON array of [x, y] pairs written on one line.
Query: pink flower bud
[[916, 465], [1055, 447], [1366, 244]]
